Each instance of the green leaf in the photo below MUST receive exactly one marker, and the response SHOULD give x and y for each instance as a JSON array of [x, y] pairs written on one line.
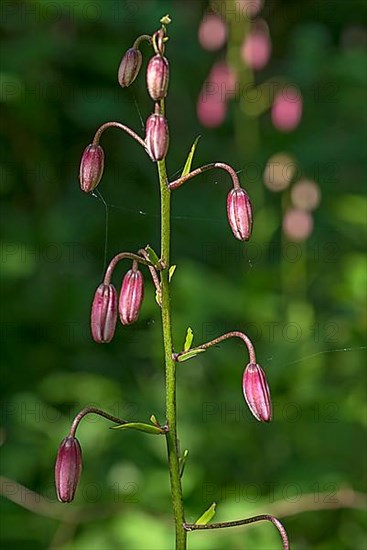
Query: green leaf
[[171, 271], [153, 258], [154, 420], [188, 162], [140, 426], [207, 516], [182, 462], [189, 338], [189, 354], [158, 298]]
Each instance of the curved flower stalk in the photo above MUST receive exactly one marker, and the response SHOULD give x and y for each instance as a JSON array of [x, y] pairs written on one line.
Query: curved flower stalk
[[68, 466], [106, 304], [215, 341], [239, 208], [240, 522], [92, 161], [255, 386], [131, 62]]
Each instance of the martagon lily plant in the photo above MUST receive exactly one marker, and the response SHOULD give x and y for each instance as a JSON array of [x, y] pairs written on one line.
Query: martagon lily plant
[[108, 305]]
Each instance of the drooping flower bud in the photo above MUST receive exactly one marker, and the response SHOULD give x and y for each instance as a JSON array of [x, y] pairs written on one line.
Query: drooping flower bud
[[239, 212], [68, 468], [91, 167], [131, 296], [157, 136], [129, 67], [256, 391], [104, 313], [157, 77]]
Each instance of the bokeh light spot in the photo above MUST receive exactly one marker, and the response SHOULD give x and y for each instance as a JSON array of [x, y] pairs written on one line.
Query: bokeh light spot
[[297, 224], [306, 194], [279, 171]]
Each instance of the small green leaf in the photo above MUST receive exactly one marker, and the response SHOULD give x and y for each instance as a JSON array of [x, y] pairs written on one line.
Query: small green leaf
[[207, 516], [158, 298], [153, 258], [154, 420], [189, 338], [140, 426], [190, 156], [189, 354], [182, 462], [171, 271]]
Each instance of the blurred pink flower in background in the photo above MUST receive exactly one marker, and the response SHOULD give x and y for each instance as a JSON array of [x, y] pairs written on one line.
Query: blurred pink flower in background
[[286, 111], [212, 32], [211, 111], [256, 47], [219, 87], [250, 8], [306, 194], [223, 78], [297, 224]]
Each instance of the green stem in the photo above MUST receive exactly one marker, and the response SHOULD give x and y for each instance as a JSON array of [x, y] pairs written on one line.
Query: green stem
[[170, 365]]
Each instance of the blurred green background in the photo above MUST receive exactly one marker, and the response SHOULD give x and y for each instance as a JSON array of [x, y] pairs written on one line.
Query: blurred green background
[[301, 302]]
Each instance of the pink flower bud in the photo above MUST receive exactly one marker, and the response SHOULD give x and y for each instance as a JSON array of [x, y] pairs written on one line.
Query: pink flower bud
[[157, 136], [104, 313], [256, 392], [157, 77], [129, 67], [91, 167], [131, 296], [68, 468], [239, 212]]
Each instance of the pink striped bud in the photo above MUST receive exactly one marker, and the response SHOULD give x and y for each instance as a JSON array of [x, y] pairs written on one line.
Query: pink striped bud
[[256, 391], [91, 167], [68, 468], [157, 77], [157, 136], [131, 296], [104, 313], [129, 67], [239, 212]]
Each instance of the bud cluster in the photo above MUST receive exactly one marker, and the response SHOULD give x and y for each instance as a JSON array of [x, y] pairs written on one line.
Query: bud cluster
[[106, 306], [157, 78]]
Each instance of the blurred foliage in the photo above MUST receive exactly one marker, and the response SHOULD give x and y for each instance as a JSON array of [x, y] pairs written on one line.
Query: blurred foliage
[[304, 306]]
